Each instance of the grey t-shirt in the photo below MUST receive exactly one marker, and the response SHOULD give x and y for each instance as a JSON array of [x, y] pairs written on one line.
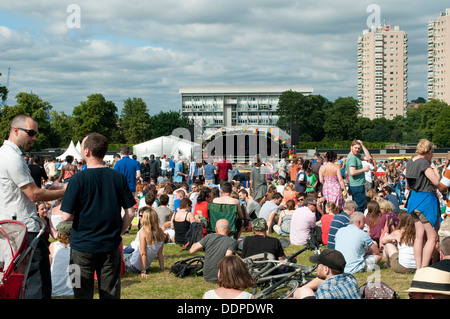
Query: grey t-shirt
[[163, 214], [267, 208], [415, 175], [215, 246], [253, 207]]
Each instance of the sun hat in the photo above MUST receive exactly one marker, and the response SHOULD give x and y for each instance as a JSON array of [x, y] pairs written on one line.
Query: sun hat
[[431, 280]]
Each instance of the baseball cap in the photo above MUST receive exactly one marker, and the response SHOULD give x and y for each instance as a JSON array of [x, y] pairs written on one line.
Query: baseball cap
[[331, 258], [64, 227], [259, 224]]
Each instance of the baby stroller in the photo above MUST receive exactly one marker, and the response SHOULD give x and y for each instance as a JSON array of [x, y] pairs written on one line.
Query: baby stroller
[[15, 257]]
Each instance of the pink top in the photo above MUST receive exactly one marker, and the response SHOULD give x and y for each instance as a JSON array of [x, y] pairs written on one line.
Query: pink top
[[303, 220]]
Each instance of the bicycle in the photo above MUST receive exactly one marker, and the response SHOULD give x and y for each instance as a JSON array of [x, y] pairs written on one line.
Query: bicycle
[[275, 285]]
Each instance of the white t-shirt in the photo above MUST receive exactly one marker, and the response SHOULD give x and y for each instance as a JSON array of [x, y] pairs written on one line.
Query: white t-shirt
[[368, 174]]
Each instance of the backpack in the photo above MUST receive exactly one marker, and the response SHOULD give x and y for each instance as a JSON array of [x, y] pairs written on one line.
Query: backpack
[[377, 290], [188, 267], [316, 236], [194, 234]]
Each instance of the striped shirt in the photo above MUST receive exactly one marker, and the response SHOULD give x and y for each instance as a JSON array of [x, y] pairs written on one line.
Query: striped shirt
[[342, 286], [338, 221]]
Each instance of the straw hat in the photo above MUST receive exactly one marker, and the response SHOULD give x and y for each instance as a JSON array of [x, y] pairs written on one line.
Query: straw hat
[[431, 280]]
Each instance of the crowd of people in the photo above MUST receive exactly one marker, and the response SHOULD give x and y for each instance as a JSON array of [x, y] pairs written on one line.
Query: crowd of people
[[397, 218]]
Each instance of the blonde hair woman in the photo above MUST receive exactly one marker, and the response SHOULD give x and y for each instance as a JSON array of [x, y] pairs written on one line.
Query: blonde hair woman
[[151, 244], [423, 178]]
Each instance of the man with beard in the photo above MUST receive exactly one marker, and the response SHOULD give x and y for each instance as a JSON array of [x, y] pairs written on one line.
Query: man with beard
[[331, 281]]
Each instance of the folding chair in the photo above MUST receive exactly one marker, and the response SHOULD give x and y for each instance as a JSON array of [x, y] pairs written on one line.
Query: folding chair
[[221, 211]]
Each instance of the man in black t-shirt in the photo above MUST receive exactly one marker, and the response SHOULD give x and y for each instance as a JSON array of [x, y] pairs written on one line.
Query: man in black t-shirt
[[37, 171], [261, 243], [94, 200]]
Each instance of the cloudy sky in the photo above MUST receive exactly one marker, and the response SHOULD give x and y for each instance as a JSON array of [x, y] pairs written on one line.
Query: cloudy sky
[[64, 51]]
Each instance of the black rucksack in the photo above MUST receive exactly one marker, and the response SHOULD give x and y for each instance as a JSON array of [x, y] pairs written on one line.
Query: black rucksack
[[188, 267], [194, 234]]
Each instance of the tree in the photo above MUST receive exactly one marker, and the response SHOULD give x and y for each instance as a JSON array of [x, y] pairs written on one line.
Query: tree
[[362, 127], [32, 105], [419, 100], [441, 130], [164, 123], [411, 130], [135, 121], [340, 119], [62, 128], [95, 115], [3, 93], [380, 131], [306, 111], [429, 113]]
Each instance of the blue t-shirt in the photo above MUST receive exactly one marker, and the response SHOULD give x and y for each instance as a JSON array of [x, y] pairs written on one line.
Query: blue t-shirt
[[352, 242], [128, 167], [178, 168], [95, 197], [209, 171]]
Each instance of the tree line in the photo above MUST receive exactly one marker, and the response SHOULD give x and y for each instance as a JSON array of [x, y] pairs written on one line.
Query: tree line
[[133, 125], [321, 121]]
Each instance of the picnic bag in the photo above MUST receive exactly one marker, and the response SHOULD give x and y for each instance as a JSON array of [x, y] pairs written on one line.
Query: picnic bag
[[377, 290]]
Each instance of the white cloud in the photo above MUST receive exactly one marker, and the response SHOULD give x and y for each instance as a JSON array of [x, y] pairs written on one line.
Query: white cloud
[[149, 49]]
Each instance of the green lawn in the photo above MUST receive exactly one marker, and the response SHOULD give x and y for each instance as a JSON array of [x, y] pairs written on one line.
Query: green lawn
[[164, 285]]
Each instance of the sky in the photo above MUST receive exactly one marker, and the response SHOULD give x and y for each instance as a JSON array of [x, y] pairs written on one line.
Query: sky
[[64, 51]]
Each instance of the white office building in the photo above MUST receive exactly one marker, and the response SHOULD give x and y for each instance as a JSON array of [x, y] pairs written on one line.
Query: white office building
[[213, 107]]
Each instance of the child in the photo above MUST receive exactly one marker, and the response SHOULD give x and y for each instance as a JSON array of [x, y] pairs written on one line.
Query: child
[[60, 259], [280, 187], [179, 195], [311, 181]]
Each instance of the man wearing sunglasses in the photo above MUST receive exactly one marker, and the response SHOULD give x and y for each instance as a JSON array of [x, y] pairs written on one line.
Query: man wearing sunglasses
[[18, 195]]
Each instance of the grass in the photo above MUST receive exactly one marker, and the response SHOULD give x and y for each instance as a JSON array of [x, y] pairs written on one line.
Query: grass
[[164, 285]]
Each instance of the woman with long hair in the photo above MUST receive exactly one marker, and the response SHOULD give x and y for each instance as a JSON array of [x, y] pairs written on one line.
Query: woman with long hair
[[151, 244], [423, 178], [399, 245], [379, 214], [331, 178]]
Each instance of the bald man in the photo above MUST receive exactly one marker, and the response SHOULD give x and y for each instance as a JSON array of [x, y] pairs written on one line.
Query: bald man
[[19, 194], [216, 245]]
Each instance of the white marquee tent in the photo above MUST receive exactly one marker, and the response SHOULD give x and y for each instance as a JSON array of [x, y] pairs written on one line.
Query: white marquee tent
[[71, 150], [165, 145]]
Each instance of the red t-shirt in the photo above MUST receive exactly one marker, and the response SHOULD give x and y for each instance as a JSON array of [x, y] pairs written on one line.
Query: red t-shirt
[[326, 222], [223, 167]]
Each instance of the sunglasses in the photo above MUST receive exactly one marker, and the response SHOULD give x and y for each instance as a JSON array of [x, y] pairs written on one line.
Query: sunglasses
[[29, 132]]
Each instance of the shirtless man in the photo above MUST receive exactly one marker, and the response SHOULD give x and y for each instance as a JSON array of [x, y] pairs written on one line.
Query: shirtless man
[[225, 198]]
